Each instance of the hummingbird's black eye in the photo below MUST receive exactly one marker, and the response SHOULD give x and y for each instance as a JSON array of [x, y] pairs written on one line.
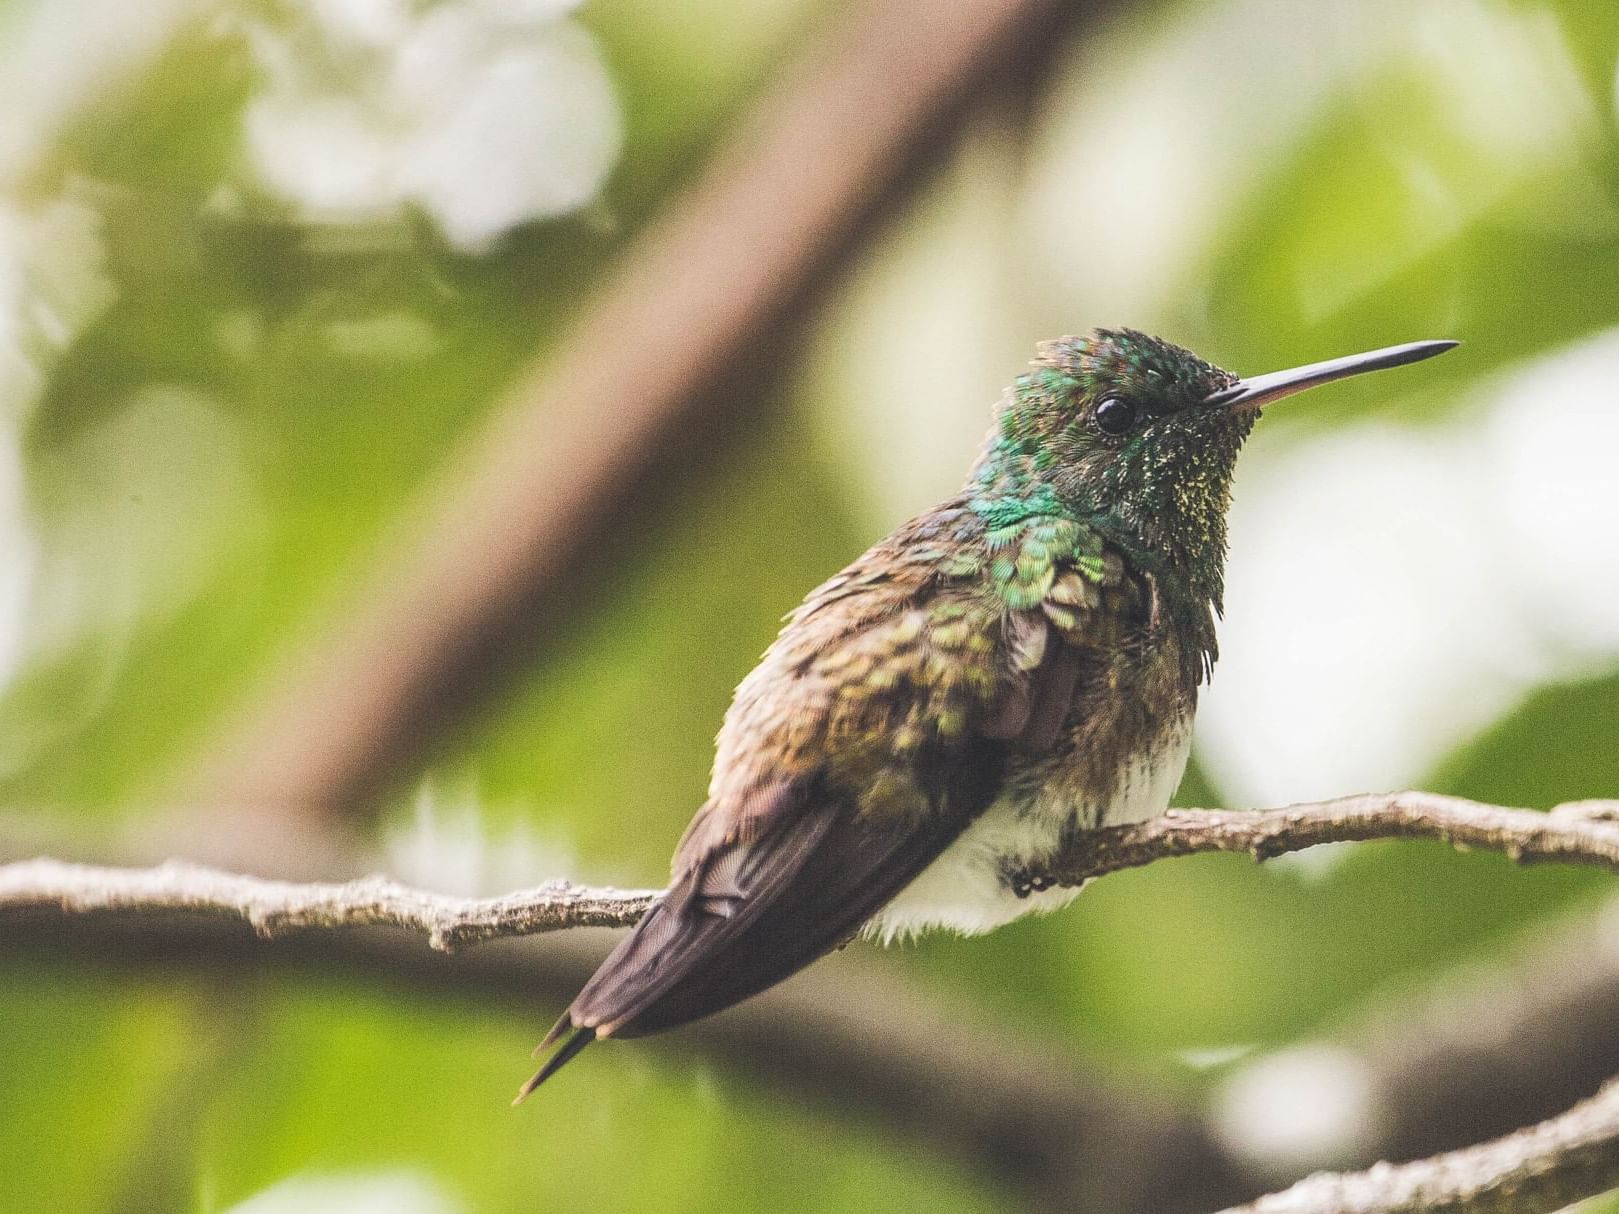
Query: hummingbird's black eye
[[1115, 415]]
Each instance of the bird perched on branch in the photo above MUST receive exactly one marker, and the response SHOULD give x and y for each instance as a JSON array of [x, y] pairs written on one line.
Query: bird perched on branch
[[1017, 665]]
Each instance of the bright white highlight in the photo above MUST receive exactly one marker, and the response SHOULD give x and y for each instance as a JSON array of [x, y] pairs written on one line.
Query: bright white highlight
[[485, 115], [400, 1191], [1300, 1109]]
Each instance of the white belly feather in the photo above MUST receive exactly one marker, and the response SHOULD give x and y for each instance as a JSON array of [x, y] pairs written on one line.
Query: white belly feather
[[965, 888]]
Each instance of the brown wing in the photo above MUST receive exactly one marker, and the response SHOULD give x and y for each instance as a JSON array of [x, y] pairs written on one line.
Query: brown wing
[[755, 911]]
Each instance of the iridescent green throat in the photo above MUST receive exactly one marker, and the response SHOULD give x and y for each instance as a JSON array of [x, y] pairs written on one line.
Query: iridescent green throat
[[1159, 496]]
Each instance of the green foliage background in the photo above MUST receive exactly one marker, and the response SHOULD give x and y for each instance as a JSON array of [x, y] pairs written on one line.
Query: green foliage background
[[165, 1092]]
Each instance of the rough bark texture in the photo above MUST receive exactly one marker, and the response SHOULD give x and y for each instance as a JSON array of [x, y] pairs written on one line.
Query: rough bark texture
[[277, 908], [1585, 832], [1581, 832]]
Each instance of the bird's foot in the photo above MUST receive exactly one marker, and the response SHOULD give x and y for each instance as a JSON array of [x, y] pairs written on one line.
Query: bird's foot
[[1024, 881]]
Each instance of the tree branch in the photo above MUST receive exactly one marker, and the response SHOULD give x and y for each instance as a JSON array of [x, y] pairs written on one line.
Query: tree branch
[[279, 908], [1534, 1171], [1577, 1151], [1581, 832]]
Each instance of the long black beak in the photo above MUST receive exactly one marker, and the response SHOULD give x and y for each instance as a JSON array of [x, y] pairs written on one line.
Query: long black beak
[[1248, 394]]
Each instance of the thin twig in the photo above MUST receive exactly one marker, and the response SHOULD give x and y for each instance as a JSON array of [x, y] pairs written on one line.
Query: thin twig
[[278, 908], [1533, 1171], [1581, 832]]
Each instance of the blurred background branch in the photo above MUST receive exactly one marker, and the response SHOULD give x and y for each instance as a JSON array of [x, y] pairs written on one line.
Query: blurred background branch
[[697, 321], [1537, 1170], [1471, 1055]]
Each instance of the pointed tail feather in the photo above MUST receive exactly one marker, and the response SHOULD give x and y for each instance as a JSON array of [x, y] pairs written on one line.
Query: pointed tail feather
[[580, 1039], [563, 1024]]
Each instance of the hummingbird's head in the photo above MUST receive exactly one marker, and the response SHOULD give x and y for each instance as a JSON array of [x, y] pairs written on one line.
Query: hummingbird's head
[[1141, 437], [1115, 422]]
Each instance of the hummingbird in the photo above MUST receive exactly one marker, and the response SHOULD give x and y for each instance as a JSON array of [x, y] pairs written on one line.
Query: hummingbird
[[1016, 666]]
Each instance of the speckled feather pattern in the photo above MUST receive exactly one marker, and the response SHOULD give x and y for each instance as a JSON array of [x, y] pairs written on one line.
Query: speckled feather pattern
[[912, 645]]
